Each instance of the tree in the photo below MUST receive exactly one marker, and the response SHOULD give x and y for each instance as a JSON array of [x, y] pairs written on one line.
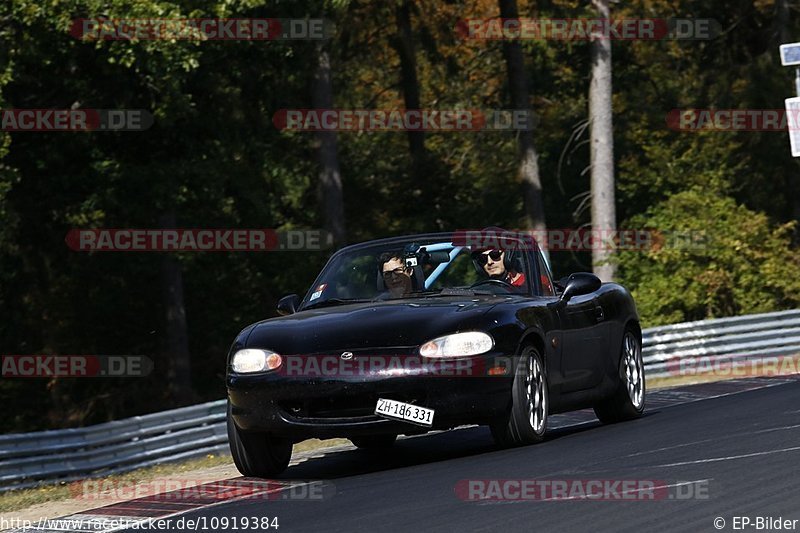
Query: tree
[[330, 178], [404, 44], [710, 258], [177, 353], [528, 158], [601, 133]]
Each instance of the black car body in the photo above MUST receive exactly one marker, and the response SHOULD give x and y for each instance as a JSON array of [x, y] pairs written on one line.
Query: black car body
[[571, 345]]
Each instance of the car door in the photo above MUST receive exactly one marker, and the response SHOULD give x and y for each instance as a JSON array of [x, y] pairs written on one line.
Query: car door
[[584, 342]]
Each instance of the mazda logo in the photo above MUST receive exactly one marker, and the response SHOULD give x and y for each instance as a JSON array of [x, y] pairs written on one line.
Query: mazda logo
[[346, 355]]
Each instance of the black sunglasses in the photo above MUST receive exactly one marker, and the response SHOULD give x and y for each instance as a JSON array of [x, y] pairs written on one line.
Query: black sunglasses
[[494, 254], [396, 273]]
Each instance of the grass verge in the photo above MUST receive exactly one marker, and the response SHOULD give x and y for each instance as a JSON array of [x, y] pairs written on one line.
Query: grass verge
[[15, 500]]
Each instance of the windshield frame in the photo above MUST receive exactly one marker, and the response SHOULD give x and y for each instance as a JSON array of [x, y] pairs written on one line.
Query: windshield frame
[[522, 244]]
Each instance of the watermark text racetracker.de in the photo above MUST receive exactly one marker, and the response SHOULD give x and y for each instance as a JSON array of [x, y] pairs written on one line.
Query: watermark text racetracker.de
[[731, 366], [583, 240], [723, 120], [197, 240], [75, 366], [44, 120], [432, 120], [583, 29], [349, 364], [536, 490], [190, 490], [201, 29]]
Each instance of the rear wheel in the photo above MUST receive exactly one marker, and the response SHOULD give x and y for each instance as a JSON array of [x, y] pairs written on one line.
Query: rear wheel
[[628, 400], [257, 454], [526, 422], [373, 442]]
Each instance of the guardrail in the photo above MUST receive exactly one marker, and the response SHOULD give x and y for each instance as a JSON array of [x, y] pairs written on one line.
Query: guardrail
[[31, 459], [64, 455], [723, 339]]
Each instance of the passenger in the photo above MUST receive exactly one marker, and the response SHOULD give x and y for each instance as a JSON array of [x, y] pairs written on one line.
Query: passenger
[[396, 276], [497, 265]]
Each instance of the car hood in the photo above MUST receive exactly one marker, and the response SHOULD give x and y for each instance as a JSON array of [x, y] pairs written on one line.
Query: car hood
[[356, 327]]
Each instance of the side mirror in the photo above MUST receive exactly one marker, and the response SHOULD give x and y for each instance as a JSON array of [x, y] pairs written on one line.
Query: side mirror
[[288, 304], [580, 283]]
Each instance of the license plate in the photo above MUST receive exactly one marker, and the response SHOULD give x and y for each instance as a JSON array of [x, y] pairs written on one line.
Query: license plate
[[404, 411]]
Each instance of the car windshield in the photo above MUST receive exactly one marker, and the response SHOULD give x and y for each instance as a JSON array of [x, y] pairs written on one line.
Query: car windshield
[[416, 269]]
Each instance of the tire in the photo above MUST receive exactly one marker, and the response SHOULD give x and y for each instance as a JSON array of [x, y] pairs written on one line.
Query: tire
[[257, 454], [628, 400], [526, 422], [374, 442]]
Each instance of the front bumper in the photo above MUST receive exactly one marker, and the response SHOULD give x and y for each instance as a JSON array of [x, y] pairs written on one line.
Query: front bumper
[[342, 404]]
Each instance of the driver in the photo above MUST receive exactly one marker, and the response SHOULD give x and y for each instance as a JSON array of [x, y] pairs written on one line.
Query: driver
[[494, 263]]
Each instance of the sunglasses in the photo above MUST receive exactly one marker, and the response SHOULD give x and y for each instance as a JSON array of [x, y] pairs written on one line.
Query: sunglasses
[[396, 273], [494, 254]]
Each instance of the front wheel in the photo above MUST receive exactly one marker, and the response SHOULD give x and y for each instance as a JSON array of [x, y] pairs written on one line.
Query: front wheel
[[526, 422], [628, 401], [257, 454]]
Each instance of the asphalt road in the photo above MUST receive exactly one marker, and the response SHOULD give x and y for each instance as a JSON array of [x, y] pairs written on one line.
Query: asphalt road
[[740, 452]]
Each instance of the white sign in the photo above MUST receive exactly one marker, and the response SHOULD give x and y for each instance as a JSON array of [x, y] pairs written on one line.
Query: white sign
[[792, 122], [790, 54]]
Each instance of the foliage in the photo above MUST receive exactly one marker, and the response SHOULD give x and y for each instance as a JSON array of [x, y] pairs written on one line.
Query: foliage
[[710, 258]]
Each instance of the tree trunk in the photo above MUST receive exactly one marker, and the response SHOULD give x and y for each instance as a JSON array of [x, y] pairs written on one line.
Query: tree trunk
[[330, 179], [177, 342], [528, 165], [601, 128], [780, 22], [409, 83]]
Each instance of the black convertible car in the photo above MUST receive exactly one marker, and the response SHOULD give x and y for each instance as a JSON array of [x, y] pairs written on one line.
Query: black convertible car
[[429, 332]]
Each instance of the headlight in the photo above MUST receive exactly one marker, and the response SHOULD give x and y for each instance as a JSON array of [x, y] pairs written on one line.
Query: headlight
[[458, 344], [253, 360]]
